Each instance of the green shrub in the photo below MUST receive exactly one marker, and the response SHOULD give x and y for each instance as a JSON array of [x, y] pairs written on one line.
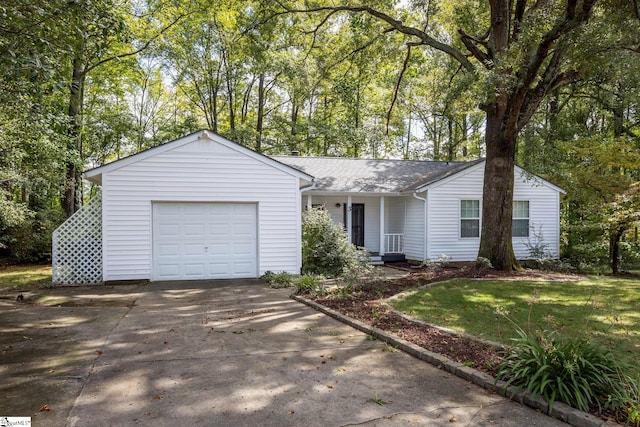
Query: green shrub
[[437, 264], [574, 371], [29, 240], [309, 285], [304, 284], [279, 280], [268, 276], [326, 249]]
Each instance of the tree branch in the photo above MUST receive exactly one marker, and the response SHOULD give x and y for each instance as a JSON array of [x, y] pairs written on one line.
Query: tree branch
[[144, 47], [397, 25], [471, 42], [405, 64], [551, 80], [572, 19], [517, 18]]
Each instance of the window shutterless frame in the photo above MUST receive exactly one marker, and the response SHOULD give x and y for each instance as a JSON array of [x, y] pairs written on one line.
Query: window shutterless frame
[[520, 223], [469, 214]]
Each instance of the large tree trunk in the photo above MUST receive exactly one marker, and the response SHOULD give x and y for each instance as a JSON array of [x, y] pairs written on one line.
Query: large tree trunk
[[497, 195], [71, 196]]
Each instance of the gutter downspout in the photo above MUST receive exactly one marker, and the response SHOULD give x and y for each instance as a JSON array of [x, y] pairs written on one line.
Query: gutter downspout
[[425, 252]]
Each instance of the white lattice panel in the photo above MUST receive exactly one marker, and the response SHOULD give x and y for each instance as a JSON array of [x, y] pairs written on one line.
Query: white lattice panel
[[77, 247]]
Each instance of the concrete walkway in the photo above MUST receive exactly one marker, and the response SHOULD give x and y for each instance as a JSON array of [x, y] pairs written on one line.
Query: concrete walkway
[[223, 353]]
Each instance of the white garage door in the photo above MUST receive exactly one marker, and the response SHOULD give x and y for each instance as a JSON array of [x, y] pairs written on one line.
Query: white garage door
[[204, 241]]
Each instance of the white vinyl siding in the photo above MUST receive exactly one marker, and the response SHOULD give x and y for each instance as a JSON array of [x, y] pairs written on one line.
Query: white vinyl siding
[[199, 171], [414, 235], [444, 214], [544, 216]]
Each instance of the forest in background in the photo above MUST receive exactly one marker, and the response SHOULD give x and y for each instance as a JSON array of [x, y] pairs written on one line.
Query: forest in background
[[85, 82]]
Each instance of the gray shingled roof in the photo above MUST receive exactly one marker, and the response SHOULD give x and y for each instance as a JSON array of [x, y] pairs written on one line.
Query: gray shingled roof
[[339, 174]]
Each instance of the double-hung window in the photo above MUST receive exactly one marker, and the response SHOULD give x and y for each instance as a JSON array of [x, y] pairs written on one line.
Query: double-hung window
[[520, 225], [469, 218]]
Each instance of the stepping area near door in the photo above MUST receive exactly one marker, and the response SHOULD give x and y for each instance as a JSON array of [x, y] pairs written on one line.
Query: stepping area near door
[[225, 353]]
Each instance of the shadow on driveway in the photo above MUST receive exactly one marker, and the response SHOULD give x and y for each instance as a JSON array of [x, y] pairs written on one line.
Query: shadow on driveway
[[225, 353]]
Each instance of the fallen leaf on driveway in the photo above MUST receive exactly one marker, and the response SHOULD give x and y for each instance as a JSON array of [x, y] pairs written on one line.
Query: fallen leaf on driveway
[[292, 412], [159, 397], [45, 407], [99, 352], [452, 419]]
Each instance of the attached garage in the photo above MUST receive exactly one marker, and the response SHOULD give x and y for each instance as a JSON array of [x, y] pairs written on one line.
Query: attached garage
[[199, 207], [204, 241]]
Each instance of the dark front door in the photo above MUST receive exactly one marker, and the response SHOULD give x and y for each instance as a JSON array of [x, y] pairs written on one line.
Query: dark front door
[[357, 223]]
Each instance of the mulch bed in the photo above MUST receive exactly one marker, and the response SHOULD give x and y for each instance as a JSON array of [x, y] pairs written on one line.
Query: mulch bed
[[366, 304]]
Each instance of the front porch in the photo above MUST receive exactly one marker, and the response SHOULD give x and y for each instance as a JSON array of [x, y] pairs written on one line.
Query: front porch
[[373, 222]]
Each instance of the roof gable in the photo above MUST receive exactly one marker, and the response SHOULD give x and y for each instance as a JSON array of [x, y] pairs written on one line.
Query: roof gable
[[95, 174], [520, 173]]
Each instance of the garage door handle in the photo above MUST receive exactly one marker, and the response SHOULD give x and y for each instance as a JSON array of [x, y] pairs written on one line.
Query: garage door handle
[[206, 248]]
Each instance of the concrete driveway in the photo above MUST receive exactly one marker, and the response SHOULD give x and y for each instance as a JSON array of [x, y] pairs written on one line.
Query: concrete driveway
[[223, 353]]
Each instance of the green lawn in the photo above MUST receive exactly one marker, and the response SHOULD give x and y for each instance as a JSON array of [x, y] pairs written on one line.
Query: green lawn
[[604, 309], [25, 277]]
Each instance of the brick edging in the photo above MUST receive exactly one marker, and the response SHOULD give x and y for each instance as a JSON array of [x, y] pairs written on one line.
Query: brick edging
[[560, 410]]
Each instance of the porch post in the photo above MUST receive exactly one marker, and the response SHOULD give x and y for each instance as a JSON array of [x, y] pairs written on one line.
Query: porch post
[[382, 248], [349, 218], [309, 201]]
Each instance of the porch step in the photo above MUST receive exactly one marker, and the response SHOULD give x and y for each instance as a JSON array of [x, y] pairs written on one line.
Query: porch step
[[393, 257], [376, 260]]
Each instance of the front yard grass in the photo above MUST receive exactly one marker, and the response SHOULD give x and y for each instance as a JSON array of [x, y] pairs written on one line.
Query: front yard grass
[[25, 277], [599, 308]]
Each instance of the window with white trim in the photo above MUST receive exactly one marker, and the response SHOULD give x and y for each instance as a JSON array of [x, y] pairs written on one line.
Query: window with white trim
[[520, 225], [469, 218]]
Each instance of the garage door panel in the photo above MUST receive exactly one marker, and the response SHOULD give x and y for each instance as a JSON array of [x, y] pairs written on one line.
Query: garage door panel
[[194, 249], [194, 230], [219, 249], [197, 209], [169, 271], [169, 230], [169, 250], [217, 229], [193, 271], [247, 230], [204, 240], [219, 269], [168, 210], [241, 268], [243, 249]]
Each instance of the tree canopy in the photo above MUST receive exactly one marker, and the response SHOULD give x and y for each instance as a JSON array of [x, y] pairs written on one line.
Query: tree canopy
[[552, 86]]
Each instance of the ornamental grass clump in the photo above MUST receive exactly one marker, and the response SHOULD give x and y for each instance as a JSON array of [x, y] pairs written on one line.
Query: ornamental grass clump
[[625, 403], [574, 371]]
